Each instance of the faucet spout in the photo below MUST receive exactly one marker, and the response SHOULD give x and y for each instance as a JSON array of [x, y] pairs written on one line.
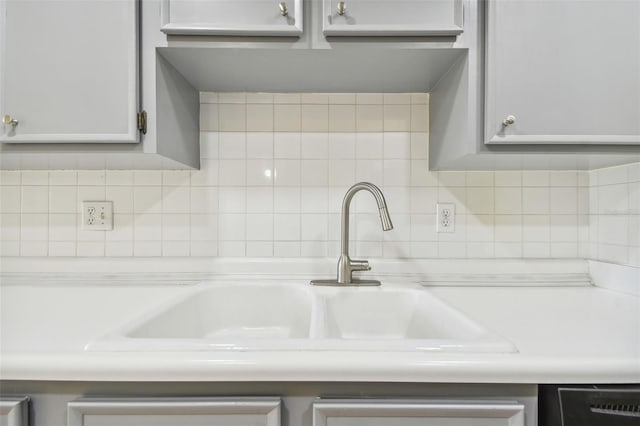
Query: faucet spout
[[346, 265], [385, 219]]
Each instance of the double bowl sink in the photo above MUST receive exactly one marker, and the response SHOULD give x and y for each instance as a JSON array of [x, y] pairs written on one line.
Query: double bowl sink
[[250, 316]]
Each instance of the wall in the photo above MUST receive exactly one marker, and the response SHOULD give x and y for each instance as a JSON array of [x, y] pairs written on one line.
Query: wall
[[614, 221], [274, 170]]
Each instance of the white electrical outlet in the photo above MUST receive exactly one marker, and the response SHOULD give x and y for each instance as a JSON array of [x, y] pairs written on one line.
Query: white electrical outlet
[[97, 215], [446, 217]]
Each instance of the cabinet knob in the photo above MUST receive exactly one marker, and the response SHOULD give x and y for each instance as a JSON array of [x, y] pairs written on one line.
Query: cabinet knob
[[7, 119], [509, 120], [342, 8], [284, 11]]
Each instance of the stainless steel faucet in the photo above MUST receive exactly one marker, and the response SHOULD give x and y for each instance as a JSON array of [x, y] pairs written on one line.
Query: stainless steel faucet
[[346, 265]]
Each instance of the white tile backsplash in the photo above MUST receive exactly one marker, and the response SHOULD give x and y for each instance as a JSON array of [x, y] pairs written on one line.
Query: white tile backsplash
[[274, 169]]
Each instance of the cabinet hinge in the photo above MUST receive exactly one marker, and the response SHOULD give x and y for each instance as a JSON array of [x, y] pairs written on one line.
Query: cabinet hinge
[[142, 122]]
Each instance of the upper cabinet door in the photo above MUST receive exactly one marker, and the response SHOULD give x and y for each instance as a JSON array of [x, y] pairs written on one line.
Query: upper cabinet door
[[68, 71], [563, 72], [232, 17], [392, 17]]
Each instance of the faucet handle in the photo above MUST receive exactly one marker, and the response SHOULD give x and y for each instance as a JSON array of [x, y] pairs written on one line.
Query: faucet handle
[[360, 265]]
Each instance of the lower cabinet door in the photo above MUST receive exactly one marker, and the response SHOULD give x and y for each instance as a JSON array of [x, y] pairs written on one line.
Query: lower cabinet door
[[380, 412], [14, 411], [174, 412]]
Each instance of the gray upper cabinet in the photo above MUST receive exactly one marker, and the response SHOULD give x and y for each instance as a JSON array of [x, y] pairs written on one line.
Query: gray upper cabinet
[[232, 17], [392, 17], [562, 72], [69, 71]]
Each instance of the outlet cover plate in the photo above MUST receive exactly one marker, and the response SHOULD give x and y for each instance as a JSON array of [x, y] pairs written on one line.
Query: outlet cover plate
[[97, 215], [446, 217]]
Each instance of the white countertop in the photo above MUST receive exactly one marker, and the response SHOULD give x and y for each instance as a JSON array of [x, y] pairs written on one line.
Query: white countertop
[[565, 332]]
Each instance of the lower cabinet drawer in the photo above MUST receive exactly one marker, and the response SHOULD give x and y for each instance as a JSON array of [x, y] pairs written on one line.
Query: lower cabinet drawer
[[382, 412], [174, 412]]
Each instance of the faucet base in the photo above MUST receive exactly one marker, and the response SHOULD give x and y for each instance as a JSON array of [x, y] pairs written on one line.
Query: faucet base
[[353, 283]]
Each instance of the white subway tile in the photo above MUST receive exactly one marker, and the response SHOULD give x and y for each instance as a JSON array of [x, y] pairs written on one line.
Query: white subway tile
[[287, 118], [35, 199], [62, 248], [397, 172], [314, 145], [260, 145], [507, 178], [122, 228], [286, 248], [10, 227], [207, 175], [260, 227], [231, 118], [232, 199], [508, 228], [342, 146], [232, 227], [35, 177], [209, 121], [563, 178], [563, 200], [34, 248], [481, 179], [91, 177], [259, 117], [147, 199], [147, 178], [314, 249], [314, 200], [287, 200], [259, 249], [10, 177], [175, 177], [314, 227], [63, 177], [397, 145], [424, 250], [286, 227], [260, 172], [369, 146], [369, 98], [314, 98], [420, 174], [232, 173], [232, 145], [119, 177], [369, 118], [480, 200], [536, 250], [175, 199], [419, 118], [508, 200], [287, 98], [122, 197], [342, 118], [203, 248], [62, 226], [147, 227], [118, 248], [535, 178], [232, 97], [396, 249], [147, 249], [203, 227], [260, 199], [535, 200], [175, 248], [208, 97], [209, 146], [314, 172], [204, 200], [536, 228], [397, 98], [10, 199], [452, 179], [90, 249], [397, 118], [286, 145]]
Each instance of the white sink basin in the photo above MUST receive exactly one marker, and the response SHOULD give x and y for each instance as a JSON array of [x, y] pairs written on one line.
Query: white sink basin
[[296, 316], [405, 320]]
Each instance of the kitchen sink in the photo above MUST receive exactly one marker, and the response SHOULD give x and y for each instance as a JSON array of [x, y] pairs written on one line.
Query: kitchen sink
[[293, 316]]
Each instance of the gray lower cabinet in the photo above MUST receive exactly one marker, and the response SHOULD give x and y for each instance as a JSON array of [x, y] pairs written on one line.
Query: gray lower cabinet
[[174, 412], [379, 412], [562, 72], [14, 411]]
